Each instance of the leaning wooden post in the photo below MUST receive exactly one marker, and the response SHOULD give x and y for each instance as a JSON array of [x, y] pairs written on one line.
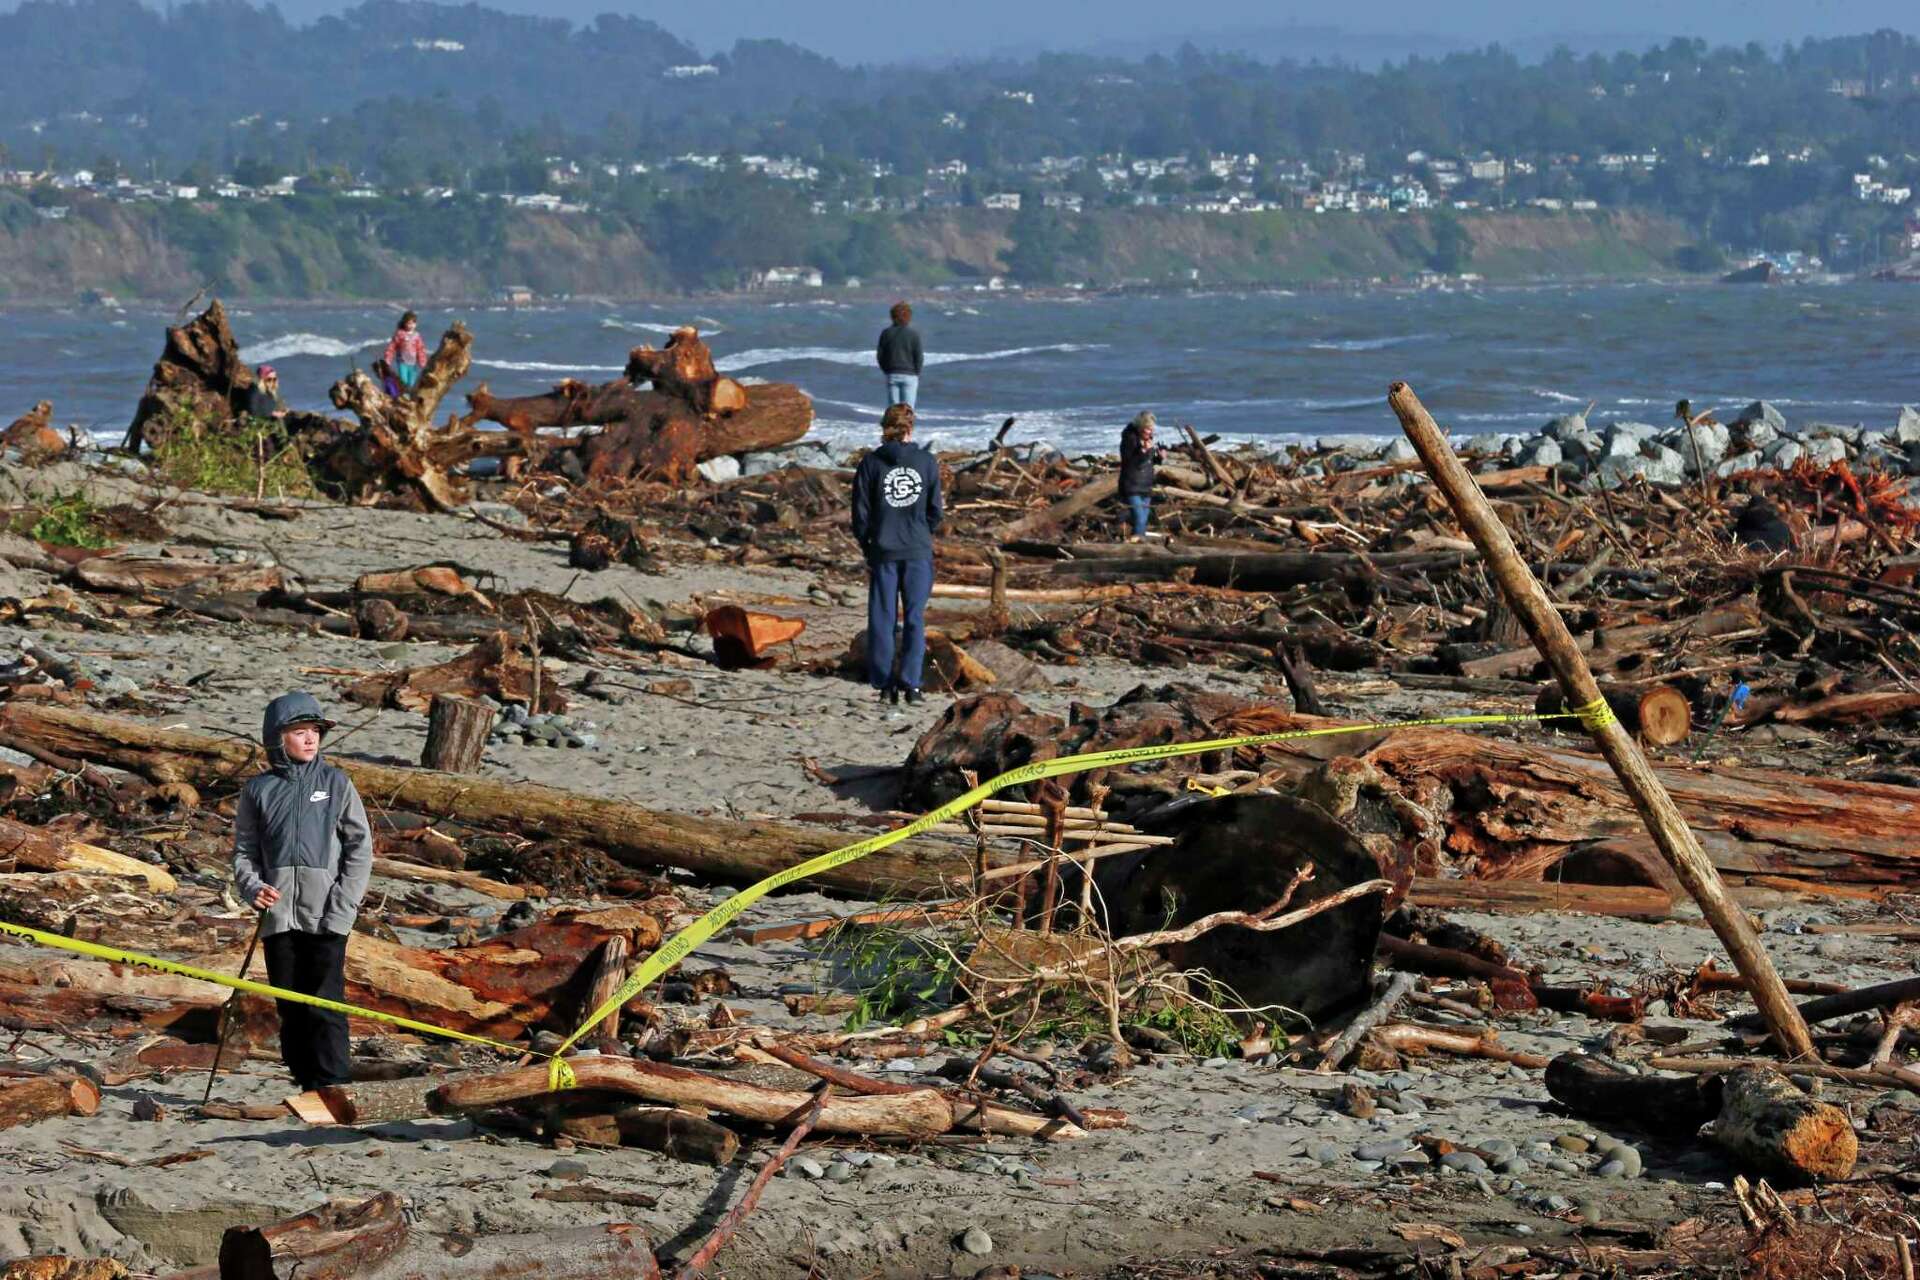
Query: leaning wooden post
[[1663, 818]]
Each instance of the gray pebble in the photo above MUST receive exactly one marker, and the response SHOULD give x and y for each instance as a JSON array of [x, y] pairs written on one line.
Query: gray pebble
[[840, 1172], [1383, 1149], [1560, 1164], [1323, 1152], [976, 1241], [567, 1170], [1515, 1167], [1463, 1162], [1496, 1148], [1590, 1211], [1557, 1203], [805, 1167]]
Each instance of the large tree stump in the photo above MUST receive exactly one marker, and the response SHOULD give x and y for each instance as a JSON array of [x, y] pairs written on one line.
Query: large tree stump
[[685, 371], [1240, 853], [199, 379], [457, 732], [1773, 1128], [32, 433], [664, 438]]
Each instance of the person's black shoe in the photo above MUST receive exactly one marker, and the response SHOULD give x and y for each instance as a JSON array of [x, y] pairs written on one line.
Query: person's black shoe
[[888, 696], [915, 697]]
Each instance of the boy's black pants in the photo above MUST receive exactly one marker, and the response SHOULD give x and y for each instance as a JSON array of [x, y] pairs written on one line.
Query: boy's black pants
[[313, 1042]]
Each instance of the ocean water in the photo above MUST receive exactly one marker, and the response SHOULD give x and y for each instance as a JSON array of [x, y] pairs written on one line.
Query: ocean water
[[1263, 366]]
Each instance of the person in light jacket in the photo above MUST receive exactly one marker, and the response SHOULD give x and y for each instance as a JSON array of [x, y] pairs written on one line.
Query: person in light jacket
[[302, 853]]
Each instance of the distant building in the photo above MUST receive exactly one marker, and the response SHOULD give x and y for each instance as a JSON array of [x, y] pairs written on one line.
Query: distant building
[[1487, 169], [1004, 200], [786, 278], [694, 71], [516, 295]]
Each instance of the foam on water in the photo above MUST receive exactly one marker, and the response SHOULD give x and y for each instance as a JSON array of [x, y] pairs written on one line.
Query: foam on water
[[290, 345], [864, 355], [542, 366]]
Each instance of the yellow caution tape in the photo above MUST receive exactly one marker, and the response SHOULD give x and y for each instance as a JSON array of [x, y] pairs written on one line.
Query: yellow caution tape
[[1593, 715], [118, 956]]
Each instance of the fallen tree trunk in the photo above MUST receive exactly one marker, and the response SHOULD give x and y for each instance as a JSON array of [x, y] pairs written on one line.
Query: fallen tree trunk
[[1759, 1117], [1089, 495], [1255, 571], [715, 848], [337, 1241], [199, 380], [1592, 1090], [1844, 1004], [37, 849], [663, 437], [922, 1113]]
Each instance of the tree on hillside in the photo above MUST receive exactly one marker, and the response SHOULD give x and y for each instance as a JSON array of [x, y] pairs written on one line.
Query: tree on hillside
[[733, 222], [1039, 243], [1452, 244]]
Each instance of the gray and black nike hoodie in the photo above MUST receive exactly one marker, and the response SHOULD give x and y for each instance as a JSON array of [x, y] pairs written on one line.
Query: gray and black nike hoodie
[[302, 829]]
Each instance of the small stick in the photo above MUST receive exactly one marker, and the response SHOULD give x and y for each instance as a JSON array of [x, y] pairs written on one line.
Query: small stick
[[220, 1045], [704, 1256], [1398, 987]]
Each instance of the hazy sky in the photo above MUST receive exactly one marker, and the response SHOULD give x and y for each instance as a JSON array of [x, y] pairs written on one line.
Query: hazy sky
[[873, 30]]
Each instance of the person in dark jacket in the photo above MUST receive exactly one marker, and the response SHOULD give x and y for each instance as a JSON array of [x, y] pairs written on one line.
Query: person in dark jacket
[[900, 357], [1138, 458], [302, 853], [896, 512], [263, 397]]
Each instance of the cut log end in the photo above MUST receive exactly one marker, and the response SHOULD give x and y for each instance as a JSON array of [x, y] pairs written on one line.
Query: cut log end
[[1768, 1124]]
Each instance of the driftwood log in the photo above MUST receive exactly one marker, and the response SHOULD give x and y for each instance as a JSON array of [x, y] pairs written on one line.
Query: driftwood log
[[1758, 1116], [1657, 714], [46, 1098], [669, 1131], [689, 415], [1672, 837], [714, 848], [923, 1113]]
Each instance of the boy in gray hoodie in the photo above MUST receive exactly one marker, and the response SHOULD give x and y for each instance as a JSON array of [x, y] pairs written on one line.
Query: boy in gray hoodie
[[302, 853]]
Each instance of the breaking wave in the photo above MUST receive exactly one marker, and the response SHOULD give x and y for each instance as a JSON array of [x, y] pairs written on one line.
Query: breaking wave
[[1366, 344], [541, 366], [864, 355], [289, 345]]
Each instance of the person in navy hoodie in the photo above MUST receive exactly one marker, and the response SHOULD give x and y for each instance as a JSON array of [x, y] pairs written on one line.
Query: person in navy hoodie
[[896, 512]]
